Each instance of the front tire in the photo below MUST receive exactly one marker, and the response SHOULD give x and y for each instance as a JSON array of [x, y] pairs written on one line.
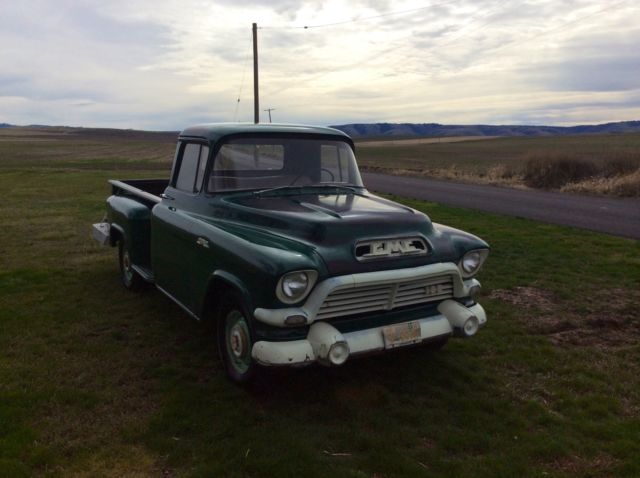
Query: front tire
[[130, 279], [235, 341]]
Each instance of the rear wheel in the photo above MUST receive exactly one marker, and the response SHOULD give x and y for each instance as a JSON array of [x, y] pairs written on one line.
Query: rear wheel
[[129, 277], [235, 342]]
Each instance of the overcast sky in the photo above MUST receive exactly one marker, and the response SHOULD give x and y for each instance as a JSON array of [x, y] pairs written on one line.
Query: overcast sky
[[165, 64]]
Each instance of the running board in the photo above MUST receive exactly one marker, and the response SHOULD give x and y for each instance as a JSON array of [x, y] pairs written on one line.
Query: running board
[[144, 272]]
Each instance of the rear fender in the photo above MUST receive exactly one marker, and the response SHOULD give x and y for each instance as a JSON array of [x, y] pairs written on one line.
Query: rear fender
[[132, 220], [116, 234]]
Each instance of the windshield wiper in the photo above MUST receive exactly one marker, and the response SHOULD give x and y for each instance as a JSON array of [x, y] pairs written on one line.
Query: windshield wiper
[[339, 186], [277, 188], [351, 189]]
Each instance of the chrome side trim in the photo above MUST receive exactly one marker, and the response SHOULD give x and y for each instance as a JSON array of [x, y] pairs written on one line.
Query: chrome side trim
[[180, 304]]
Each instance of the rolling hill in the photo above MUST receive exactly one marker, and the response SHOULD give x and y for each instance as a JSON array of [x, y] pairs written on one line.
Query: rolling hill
[[435, 129]]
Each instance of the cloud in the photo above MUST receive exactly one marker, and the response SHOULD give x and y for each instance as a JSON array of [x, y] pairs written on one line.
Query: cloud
[[165, 64]]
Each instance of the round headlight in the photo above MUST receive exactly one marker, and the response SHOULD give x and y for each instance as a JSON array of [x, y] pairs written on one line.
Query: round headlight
[[294, 286], [471, 262]]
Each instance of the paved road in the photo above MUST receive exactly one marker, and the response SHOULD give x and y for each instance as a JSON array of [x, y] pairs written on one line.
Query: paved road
[[620, 217]]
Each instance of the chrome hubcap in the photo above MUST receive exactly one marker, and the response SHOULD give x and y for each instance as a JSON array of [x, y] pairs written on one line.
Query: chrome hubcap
[[126, 266], [238, 341]]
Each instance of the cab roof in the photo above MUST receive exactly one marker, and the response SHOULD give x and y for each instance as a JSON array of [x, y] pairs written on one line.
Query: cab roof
[[215, 131]]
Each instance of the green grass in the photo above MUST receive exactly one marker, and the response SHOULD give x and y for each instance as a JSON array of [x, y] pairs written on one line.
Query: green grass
[[96, 381]]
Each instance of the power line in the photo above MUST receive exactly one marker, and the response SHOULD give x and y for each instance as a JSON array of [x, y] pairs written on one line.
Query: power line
[[561, 27], [447, 42], [356, 20], [383, 53], [457, 37], [387, 51], [550, 31], [244, 70]]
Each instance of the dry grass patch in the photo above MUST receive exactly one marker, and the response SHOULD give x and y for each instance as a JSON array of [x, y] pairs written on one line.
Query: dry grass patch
[[609, 319], [627, 185], [552, 171], [593, 164], [499, 175], [615, 175]]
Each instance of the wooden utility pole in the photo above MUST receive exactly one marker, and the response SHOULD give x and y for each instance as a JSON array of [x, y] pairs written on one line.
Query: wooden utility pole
[[270, 110], [256, 100]]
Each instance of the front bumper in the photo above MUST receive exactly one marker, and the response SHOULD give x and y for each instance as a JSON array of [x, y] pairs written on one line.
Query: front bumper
[[324, 339]]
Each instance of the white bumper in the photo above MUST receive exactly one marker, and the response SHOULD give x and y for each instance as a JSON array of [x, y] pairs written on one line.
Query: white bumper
[[322, 337]]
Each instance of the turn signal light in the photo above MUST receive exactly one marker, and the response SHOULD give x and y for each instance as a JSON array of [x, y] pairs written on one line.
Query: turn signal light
[[293, 320]]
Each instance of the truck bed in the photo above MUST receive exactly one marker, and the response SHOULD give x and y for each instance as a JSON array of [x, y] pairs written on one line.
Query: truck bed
[[148, 190]]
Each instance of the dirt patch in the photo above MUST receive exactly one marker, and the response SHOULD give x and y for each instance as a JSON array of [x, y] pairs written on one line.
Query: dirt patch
[[574, 465], [608, 319], [527, 297]]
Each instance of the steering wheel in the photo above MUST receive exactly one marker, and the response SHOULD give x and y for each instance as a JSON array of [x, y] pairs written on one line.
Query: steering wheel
[[325, 170]]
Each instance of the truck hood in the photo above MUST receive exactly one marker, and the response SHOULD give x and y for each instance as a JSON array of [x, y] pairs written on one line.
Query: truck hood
[[333, 223]]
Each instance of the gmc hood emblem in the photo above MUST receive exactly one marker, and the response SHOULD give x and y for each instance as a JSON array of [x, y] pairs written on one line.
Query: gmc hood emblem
[[382, 248]]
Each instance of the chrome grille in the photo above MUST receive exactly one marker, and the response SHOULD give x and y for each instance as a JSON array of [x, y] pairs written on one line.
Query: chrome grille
[[351, 300]]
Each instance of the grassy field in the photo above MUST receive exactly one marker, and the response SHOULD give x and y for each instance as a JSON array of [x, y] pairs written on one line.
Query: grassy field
[[504, 161], [96, 381], [394, 141]]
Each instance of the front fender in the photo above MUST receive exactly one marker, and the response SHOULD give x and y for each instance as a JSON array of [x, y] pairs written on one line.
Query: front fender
[[458, 242], [251, 262]]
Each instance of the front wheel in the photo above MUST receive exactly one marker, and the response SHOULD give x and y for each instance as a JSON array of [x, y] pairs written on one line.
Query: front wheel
[[235, 342]]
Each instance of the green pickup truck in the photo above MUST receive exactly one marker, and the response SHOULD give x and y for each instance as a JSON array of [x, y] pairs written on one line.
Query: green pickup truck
[[269, 231]]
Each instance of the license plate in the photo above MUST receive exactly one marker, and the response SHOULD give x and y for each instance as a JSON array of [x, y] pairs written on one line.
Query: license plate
[[401, 334]]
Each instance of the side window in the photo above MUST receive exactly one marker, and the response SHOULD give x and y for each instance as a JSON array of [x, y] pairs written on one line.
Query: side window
[[204, 154], [334, 166], [188, 167]]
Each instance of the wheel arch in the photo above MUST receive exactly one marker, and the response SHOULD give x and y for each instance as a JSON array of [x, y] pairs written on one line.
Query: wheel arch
[[220, 284], [116, 233]]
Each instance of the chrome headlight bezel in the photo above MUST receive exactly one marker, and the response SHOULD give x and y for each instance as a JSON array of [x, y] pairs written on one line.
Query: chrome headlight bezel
[[283, 286], [477, 256]]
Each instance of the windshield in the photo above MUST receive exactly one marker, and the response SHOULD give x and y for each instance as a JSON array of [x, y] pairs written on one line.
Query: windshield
[[262, 162]]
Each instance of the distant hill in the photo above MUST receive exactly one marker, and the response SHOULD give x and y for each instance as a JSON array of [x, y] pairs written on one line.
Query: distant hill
[[435, 129], [5, 125]]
